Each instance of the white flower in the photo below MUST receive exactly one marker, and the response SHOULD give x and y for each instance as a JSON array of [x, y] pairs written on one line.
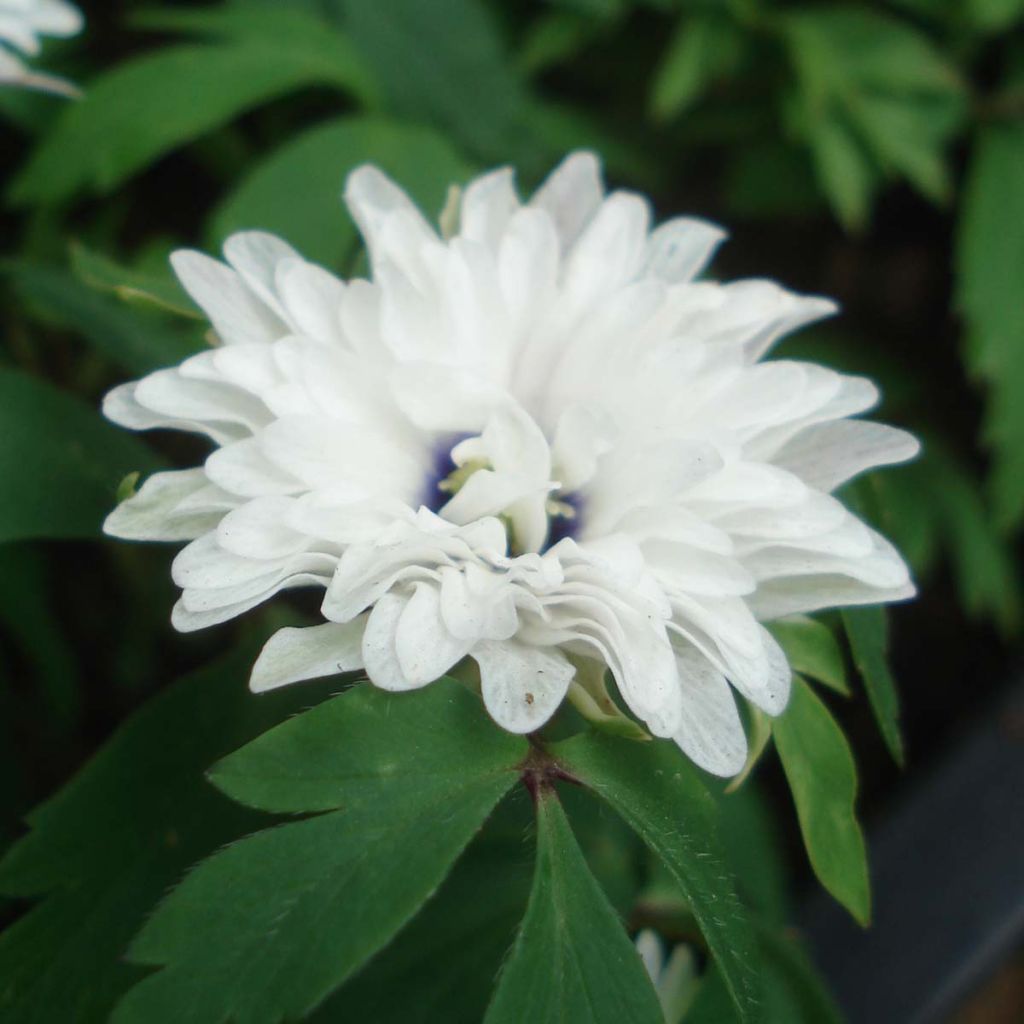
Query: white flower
[[537, 443], [674, 977], [22, 22]]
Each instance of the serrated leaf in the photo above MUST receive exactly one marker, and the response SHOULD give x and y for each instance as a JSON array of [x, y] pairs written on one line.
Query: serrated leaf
[[661, 797], [868, 632], [873, 96], [296, 191], [572, 960], [60, 462], [266, 929], [444, 64], [812, 650], [106, 847], [135, 340], [990, 282], [823, 780], [149, 105]]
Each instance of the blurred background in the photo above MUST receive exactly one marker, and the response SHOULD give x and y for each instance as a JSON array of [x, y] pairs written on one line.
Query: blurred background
[[872, 152]]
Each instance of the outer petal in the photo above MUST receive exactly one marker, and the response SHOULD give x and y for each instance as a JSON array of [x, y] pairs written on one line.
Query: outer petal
[[154, 514], [711, 733], [237, 315], [571, 194], [293, 655], [679, 249], [522, 686], [425, 647]]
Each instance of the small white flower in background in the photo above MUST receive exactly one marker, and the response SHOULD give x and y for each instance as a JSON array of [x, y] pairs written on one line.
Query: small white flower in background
[[674, 979], [538, 443], [22, 22]]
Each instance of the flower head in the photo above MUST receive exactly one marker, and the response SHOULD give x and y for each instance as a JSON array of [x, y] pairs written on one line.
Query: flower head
[[22, 22], [538, 443]]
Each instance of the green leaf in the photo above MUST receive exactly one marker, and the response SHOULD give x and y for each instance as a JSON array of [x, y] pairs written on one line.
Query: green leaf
[[794, 993], [572, 960], [812, 650], [873, 96], [132, 285], [134, 339], [660, 795], [868, 632], [152, 104], [823, 780], [990, 281], [60, 462], [444, 64], [703, 47], [264, 930], [441, 967], [31, 627], [108, 845], [994, 15], [296, 191]]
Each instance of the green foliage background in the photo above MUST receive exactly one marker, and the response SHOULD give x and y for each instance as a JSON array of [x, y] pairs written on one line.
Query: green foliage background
[[870, 151]]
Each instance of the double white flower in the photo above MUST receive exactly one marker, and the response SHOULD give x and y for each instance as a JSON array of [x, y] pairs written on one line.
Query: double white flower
[[22, 22], [537, 443]]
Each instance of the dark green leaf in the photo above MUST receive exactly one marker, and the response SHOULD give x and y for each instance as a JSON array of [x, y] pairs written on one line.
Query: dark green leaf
[[135, 340], [444, 64], [812, 649], [794, 993], [823, 779], [990, 265], [868, 632], [28, 622], [108, 845], [442, 966], [572, 960], [150, 105], [660, 795], [994, 15], [703, 47], [296, 191], [264, 930], [60, 462]]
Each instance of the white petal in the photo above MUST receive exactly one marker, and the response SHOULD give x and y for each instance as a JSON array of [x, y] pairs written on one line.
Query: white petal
[[255, 255], [243, 469], [522, 686], [711, 733], [121, 406], [380, 656], [153, 513], [571, 194], [187, 620], [372, 197], [293, 655], [259, 529], [312, 299], [487, 205], [828, 455], [610, 251], [679, 248], [425, 647], [237, 315]]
